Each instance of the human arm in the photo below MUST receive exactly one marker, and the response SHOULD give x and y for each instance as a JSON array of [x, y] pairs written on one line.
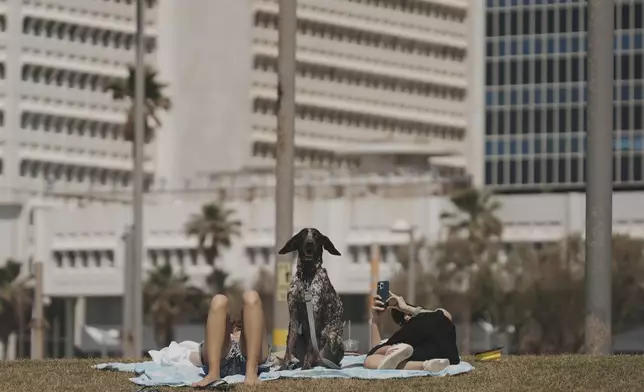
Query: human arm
[[377, 309], [398, 302]]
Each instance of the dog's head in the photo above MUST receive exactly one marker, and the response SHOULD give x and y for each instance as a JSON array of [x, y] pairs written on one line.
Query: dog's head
[[309, 244]]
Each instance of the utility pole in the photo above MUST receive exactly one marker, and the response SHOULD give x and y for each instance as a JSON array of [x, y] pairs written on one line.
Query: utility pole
[[38, 323], [284, 170], [411, 271], [127, 335], [139, 131], [599, 177], [375, 276]]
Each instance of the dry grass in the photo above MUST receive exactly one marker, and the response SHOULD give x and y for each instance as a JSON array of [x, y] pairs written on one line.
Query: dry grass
[[556, 373]]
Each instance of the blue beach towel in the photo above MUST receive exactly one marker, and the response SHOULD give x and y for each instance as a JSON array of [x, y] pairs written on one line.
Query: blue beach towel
[[153, 374]]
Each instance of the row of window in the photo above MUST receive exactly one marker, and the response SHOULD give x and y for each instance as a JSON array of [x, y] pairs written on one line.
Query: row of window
[[84, 258], [311, 158], [626, 117], [364, 79], [552, 20], [364, 38], [148, 3], [72, 125], [628, 170], [65, 77], [55, 172], [352, 119], [557, 70], [419, 7], [571, 143], [527, 3], [84, 34], [558, 44], [571, 94]]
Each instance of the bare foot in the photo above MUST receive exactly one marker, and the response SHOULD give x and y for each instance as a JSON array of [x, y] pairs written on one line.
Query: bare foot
[[252, 379], [209, 379]]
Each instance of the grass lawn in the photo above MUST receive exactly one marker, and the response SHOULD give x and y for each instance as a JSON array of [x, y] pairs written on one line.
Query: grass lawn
[[557, 373]]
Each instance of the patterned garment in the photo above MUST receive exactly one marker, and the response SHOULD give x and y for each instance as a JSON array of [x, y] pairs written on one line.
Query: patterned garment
[[234, 362]]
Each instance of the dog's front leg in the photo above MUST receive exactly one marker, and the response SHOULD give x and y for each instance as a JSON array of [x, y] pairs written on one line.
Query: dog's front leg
[[310, 359], [291, 339]]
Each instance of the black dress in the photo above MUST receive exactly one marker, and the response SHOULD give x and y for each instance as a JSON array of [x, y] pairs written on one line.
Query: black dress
[[431, 334]]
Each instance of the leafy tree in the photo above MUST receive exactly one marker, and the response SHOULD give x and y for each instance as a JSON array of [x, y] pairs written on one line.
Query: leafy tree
[[154, 99], [468, 254], [628, 282], [214, 228], [15, 302], [549, 303], [165, 298], [553, 304]]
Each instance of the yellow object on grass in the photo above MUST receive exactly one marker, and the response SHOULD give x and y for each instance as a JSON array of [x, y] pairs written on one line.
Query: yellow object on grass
[[489, 355], [279, 338]]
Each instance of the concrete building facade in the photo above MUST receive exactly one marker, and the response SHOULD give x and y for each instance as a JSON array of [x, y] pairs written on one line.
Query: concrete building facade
[[380, 86]]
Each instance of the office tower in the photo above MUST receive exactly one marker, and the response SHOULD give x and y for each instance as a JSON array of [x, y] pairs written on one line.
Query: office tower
[[535, 120]]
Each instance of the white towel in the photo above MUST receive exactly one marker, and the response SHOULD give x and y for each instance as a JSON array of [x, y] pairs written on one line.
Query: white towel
[[176, 354]]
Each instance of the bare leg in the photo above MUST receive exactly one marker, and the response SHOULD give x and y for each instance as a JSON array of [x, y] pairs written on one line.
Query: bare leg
[[374, 360], [253, 337], [217, 338]]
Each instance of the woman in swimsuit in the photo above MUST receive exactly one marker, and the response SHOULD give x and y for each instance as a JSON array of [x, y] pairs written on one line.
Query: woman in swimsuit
[[230, 348]]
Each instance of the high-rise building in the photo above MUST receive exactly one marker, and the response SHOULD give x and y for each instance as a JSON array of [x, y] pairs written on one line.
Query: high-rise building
[[535, 78], [380, 85], [62, 134]]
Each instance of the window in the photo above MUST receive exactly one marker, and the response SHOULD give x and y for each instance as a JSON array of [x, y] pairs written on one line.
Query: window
[[538, 120], [637, 167], [513, 172], [561, 171], [500, 174], [514, 23], [538, 21], [563, 19], [537, 171], [550, 171], [527, 21], [550, 18]]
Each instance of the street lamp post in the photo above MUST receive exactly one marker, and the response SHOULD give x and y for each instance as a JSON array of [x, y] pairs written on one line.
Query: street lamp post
[[599, 178], [137, 204], [402, 226]]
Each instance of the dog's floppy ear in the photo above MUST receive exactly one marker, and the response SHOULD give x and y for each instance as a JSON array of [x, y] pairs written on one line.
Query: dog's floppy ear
[[293, 244], [328, 245]]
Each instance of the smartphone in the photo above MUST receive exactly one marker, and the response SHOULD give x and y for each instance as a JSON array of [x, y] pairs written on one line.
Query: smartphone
[[383, 291]]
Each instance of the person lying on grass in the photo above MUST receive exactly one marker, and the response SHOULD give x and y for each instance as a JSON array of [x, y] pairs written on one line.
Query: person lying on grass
[[426, 339], [229, 348]]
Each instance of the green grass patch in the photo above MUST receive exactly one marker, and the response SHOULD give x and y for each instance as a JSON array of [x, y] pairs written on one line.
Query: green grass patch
[[521, 373]]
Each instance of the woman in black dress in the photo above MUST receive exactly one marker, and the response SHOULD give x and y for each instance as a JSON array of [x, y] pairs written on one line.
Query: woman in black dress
[[426, 339]]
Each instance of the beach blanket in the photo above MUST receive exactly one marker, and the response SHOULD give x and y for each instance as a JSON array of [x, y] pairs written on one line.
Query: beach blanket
[[170, 368]]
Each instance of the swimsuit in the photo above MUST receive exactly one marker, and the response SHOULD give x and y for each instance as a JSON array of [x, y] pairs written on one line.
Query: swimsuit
[[234, 362]]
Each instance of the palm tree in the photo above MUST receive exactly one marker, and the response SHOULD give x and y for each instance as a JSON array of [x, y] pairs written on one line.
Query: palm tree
[[155, 100], [474, 226], [214, 228], [15, 301], [165, 297]]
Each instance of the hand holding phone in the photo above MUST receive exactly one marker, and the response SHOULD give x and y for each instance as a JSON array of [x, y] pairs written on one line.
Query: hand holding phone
[[383, 291]]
